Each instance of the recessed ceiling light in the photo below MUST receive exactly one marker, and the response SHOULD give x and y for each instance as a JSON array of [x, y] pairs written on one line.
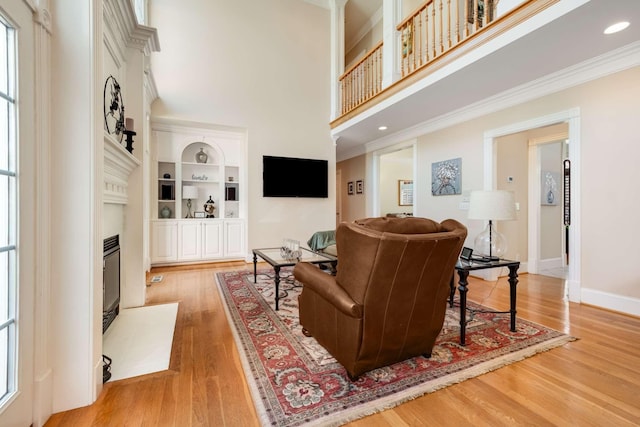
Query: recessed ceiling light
[[382, 128], [619, 26]]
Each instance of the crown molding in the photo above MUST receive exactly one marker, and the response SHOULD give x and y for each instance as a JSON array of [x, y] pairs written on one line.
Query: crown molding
[[122, 28], [612, 62]]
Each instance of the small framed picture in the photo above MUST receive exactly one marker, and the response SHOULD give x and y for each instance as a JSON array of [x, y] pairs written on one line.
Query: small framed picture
[[199, 215], [350, 188], [359, 186]]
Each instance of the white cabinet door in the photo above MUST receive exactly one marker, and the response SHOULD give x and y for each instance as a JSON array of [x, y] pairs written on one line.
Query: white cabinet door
[[190, 240], [234, 238], [164, 239], [212, 239]]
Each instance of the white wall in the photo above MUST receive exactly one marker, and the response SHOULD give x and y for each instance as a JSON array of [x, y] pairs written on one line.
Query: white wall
[[261, 66], [609, 149]]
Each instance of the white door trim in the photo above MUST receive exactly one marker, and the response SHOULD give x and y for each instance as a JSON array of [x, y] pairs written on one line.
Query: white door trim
[[572, 117]]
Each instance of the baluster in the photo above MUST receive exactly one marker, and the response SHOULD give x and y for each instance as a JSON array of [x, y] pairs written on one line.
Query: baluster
[[456, 14], [433, 30], [417, 40], [379, 84], [441, 35], [358, 86], [467, 18], [449, 21]]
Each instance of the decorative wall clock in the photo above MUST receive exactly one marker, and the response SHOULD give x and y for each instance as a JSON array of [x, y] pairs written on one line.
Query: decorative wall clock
[[113, 108]]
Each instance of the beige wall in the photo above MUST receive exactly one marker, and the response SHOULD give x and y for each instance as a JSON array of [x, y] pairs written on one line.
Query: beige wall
[[512, 152], [352, 170], [263, 67], [609, 130]]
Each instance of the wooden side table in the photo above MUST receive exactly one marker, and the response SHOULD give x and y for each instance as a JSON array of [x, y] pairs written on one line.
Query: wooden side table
[[463, 268]]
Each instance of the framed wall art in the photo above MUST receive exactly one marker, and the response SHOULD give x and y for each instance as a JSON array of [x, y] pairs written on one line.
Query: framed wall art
[[446, 177], [405, 192], [550, 188], [359, 186], [350, 188]]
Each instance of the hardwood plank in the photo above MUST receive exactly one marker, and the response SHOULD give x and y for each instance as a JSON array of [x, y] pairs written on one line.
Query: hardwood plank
[[592, 381]]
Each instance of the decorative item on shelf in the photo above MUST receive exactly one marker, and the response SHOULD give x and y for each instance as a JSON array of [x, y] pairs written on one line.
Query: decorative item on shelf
[[167, 176], [199, 214], [165, 212], [230, 179], [166, 192], [201, 156], [209, 207], [128, 130], [189, 192], [493, 205], [113, 108], [202, 177]]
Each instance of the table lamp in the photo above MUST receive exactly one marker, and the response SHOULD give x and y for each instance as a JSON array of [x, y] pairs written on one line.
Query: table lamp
[[492, 205], [189, 192]]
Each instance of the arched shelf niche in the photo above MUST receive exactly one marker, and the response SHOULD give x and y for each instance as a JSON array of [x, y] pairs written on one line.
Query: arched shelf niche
[[202, 167]]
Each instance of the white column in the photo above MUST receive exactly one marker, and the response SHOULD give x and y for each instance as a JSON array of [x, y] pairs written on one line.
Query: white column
[[76, 202], [43, 372], [391, 13], [337, 53]]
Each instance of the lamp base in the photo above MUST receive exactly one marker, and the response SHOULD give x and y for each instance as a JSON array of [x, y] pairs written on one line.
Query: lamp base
[[491, 245]]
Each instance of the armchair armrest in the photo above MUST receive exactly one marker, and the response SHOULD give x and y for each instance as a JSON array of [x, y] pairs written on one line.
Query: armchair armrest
[[327, 288]]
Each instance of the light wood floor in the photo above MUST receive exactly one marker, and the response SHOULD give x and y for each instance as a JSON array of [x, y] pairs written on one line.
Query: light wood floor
[[594, 381]]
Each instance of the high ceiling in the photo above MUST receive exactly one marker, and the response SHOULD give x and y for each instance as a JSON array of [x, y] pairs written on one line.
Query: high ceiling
[[559, 38]]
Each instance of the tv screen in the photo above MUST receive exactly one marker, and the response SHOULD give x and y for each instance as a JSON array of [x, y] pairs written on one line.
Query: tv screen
[[292, 177]]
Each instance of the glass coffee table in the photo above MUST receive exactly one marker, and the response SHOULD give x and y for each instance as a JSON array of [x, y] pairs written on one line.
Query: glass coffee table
[[274, 257]]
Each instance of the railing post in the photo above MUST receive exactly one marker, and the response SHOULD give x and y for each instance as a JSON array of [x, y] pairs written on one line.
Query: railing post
[[337, 55], [391, 12]]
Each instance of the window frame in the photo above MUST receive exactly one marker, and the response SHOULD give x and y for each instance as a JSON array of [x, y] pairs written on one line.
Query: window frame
[[9, 222]]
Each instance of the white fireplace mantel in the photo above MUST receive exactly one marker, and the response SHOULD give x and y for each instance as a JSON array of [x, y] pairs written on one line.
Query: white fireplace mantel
[[118, 165]]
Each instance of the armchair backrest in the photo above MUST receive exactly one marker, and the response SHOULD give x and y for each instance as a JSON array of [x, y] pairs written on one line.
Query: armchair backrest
[[399, 269]]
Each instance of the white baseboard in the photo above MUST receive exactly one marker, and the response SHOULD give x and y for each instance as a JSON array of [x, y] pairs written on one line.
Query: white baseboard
[[549, 263], [42, 398], [620, 303], [97, 380]]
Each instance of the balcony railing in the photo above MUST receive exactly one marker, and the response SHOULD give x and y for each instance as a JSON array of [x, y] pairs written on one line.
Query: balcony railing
[[362, 81], [434, 29], [437, 27]]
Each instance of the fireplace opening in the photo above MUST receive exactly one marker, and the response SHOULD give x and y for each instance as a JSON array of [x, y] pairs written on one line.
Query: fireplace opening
[[110, 281]]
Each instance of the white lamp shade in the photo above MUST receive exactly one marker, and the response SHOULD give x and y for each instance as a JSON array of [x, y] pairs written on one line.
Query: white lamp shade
[[189, 192], [496, 205]]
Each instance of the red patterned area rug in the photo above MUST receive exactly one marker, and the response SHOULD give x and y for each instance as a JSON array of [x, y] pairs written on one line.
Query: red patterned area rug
[[294, 381]]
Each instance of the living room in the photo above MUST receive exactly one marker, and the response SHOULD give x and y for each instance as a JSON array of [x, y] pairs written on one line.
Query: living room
[[266, 73]]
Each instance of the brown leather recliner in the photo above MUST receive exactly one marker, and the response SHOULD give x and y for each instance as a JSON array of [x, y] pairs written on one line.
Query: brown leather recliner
[[388, 299]]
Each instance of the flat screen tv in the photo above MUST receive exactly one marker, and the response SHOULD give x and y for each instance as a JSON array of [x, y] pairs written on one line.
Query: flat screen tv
[[293, 177]]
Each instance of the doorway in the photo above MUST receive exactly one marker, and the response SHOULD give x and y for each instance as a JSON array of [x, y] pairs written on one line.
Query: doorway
[[492, 180], [395, 182], [549, 247]]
